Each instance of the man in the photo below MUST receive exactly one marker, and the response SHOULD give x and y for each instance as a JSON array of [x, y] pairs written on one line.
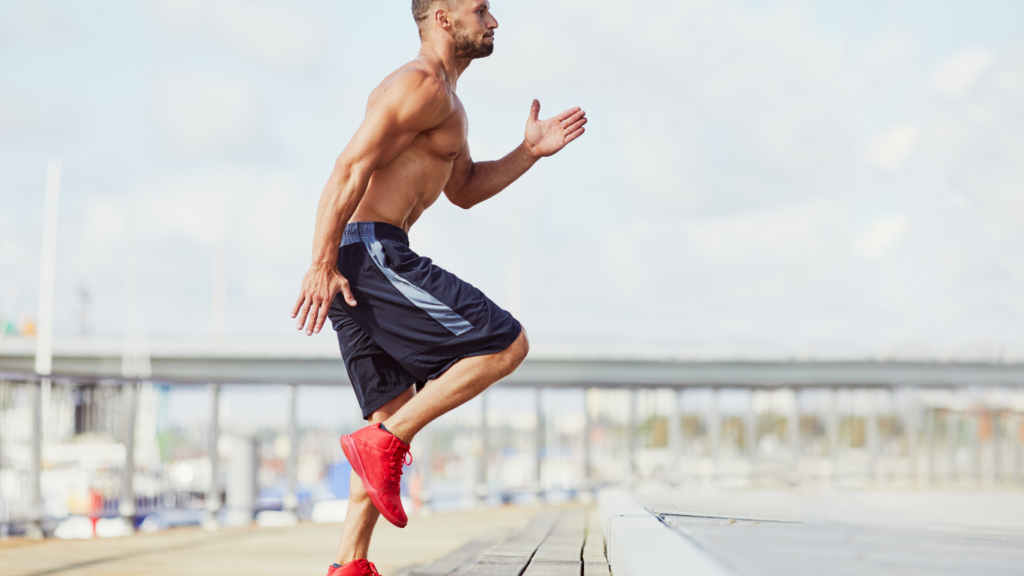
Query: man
[[401, 321]]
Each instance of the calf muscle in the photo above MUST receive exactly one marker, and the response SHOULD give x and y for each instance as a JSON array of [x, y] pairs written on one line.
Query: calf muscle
[[466, 379]]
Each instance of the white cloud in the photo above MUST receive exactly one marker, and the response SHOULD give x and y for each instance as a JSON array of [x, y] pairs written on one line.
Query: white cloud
[[208, 114], [890, 149], [658, 163], [105, 219], [959, 73], [880, 236], [203, 207], [276, 34], [22, 115], [786, 233], [34, 20]]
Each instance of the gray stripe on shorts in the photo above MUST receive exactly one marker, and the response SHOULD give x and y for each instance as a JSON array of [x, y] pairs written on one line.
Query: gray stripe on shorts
[[418, 296]]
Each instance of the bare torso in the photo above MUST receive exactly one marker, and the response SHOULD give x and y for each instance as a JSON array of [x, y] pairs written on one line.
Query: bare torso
[[399, 192], [411, 147]]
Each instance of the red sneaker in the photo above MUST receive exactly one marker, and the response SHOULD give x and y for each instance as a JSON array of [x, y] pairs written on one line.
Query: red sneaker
[[377, 457], [357, 567]]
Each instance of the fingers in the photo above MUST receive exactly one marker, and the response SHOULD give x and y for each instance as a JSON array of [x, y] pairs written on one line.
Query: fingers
[[310, 321], [565, 115], [346, 291], [298, 304], [321, 317], [575, 135], [302, 312], [572, 119], [575, 126], [534, 110]]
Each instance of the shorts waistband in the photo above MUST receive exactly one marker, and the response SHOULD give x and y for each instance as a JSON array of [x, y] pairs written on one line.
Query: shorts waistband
[[358, 231]]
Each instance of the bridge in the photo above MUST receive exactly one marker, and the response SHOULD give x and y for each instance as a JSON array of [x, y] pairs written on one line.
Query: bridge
[[319, 363]]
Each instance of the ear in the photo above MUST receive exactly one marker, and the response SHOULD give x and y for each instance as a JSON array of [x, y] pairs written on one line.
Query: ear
[[441, 19]]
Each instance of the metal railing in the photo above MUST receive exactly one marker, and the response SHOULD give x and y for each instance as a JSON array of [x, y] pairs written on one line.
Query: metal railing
[[510, 445]]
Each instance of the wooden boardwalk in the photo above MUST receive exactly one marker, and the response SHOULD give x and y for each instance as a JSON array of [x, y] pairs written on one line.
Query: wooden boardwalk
[[306, 549], [553, 543]]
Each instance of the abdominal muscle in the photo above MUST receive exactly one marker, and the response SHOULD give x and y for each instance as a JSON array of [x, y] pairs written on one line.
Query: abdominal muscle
[[399, 192]]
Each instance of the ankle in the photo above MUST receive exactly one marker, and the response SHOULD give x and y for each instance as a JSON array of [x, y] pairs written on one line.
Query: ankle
[[398, 430], [343, 559]]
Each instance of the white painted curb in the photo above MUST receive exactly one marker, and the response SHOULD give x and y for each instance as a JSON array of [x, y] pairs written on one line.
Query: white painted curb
[[639, 544]]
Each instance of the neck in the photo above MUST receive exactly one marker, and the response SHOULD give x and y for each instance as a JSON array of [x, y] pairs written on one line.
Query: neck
[[441, 53]]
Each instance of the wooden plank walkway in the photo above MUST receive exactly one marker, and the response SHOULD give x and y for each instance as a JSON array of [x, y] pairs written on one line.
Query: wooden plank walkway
[[303, 549], [552, 543]]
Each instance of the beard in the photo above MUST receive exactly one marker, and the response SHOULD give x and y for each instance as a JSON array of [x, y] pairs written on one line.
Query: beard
[[471, 48]]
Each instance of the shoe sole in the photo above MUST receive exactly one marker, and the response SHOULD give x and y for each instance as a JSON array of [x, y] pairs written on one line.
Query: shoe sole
[[349, 448]]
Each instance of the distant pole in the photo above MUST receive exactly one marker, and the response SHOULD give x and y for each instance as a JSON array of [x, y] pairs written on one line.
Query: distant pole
[[241, 490], [1015, 442], [910, 429], [213, 494], [833, 431], [675, 437], [1018, 453], [539, 440], [587, 472], [997, 445], [750, 433], [34, 529], [44, 345], [871, 434], [634, 402], [126, 504], [952, 441], [135, 367], [4, 511], [929, 430], [44, 327], [291, 498], [793, 426], [713, 432], [4, 529], [975, 423], [481, 470]]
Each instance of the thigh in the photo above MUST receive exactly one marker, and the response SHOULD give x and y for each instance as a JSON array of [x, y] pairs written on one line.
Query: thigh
[[378, 379], [393, 405]]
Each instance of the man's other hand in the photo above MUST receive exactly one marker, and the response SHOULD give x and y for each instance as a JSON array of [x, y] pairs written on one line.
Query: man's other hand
[[545, 137], [319, 287]]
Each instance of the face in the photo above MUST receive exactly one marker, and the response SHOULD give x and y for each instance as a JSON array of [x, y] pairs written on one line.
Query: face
[[473, 26]]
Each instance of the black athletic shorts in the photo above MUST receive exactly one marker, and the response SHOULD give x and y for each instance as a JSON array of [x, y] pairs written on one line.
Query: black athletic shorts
[[412, 320]]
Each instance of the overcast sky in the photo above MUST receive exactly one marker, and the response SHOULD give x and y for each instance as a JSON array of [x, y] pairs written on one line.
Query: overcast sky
[[758, 176]]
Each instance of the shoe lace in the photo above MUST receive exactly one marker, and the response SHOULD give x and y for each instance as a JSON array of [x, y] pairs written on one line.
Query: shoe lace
[[373, 569], [397, 461]]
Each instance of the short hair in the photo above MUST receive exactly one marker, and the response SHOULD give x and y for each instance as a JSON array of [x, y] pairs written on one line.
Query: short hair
[[421, 8]]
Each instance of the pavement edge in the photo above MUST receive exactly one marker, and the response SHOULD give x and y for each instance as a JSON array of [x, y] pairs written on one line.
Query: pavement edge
[[638, 543]]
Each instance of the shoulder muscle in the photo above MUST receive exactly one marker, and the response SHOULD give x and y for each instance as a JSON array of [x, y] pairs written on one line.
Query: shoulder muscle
[[415, 99]]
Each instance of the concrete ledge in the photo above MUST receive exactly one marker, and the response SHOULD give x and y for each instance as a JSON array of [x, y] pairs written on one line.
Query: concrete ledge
[[640, 544]]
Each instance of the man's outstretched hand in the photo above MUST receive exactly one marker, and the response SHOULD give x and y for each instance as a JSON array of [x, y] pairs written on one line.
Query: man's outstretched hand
[[319, 287], [545, 137]]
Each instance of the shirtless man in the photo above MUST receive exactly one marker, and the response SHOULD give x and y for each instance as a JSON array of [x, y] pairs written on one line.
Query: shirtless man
[[401, 321]]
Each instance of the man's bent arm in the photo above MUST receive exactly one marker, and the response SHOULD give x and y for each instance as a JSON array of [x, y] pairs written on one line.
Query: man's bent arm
[[473, 182], [412, 104]]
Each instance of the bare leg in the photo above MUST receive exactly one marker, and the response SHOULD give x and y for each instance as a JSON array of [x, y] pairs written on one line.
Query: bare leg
[[362, 514], [463, 381], [408, 414]]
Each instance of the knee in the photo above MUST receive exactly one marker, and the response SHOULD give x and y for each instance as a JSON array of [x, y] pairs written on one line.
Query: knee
[[517, 352]]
